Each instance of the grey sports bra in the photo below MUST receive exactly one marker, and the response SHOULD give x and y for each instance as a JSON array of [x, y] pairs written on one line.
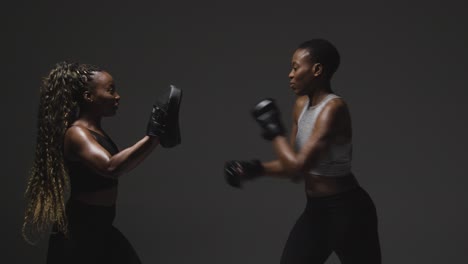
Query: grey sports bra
[[337, 159]]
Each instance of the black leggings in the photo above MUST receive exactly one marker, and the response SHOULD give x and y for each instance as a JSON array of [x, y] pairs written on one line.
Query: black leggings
[[92, 238], [345, 223]]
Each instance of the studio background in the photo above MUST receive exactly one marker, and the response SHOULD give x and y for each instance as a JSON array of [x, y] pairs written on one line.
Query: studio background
[[403, 75]]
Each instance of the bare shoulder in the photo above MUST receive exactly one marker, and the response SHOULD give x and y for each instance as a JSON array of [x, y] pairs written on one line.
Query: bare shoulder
[[335, 110], [76, 138], [77, 133]]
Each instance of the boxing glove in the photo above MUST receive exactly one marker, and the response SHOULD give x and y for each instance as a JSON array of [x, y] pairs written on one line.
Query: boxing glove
[[267, 115], [238, 171], [157, 122]]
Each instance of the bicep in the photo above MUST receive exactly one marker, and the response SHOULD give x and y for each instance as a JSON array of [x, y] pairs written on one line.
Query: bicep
[[82, 147], [292, 138]]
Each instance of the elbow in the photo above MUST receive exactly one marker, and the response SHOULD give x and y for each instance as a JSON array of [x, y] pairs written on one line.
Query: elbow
[[115, 167], [111, 172], [294, 167]]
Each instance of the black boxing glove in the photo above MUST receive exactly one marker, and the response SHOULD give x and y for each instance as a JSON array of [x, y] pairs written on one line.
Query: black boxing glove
[[157, 122], [267, 115], [238, 171]]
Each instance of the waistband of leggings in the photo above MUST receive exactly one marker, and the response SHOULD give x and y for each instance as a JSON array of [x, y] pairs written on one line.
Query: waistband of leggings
[[355, 192]]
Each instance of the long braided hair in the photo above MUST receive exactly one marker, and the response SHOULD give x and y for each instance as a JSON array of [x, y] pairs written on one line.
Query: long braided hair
[[61, 94]]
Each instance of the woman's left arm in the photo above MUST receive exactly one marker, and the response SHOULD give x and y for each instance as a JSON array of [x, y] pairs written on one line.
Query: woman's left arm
[[325, 129]]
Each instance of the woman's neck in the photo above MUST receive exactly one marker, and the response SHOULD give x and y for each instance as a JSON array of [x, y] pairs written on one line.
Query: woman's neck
[[318, 93], [89, 120]]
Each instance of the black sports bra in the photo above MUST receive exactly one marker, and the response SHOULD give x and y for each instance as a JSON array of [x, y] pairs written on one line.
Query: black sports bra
[[83, 179]]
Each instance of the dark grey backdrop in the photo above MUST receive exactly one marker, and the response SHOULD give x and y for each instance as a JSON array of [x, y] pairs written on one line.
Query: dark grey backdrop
[[403, 75]]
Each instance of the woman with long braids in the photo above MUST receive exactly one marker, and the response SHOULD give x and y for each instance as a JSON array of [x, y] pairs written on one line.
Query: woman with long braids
[[75, 158], [339, 215]]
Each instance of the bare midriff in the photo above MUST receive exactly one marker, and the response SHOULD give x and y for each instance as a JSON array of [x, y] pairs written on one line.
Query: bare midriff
[[319, 186]]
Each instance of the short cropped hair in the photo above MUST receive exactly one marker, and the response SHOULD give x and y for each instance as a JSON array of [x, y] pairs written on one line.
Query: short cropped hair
[[323, 52]]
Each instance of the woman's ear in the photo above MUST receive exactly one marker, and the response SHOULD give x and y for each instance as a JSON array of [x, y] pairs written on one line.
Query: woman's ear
[[317, 69], [87, 97]]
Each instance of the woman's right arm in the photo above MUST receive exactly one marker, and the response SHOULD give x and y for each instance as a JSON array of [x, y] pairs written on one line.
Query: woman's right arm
[[275, 168], [237, 171], [80, 145]]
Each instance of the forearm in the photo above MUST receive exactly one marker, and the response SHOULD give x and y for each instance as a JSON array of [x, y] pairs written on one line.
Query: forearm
[[275, 169], [129, 158], [296, 163], [289, 160], [266, 114]]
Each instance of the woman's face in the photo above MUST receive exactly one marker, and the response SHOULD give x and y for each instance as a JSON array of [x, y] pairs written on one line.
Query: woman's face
[[303, 72], [105, 98]]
